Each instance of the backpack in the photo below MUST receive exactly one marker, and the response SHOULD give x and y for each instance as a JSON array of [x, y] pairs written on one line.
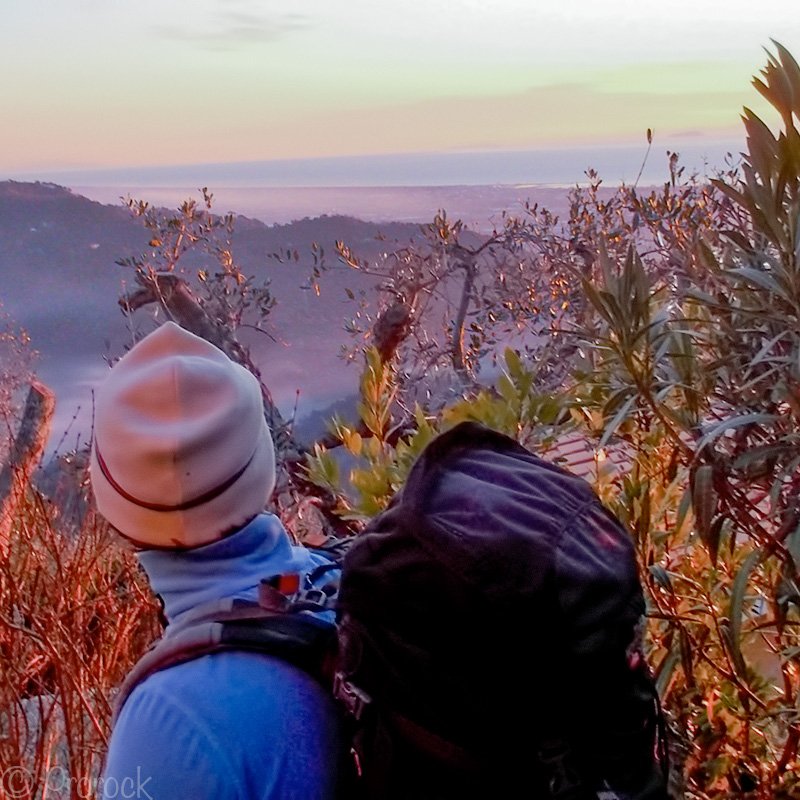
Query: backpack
[[486, 639], [489, 624]]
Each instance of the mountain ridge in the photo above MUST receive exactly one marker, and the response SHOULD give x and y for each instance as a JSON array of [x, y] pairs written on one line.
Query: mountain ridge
[[59, 281]]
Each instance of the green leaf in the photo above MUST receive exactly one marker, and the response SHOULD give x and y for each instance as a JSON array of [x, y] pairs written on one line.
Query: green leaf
[[322, 468], [791, 70], [598, 301], [754, 418], [761, 453], [793, 546], [738, 592], [666, 670], [767, 348], [507, 390], [619, 418], [734, 650], [761, 145], [513, 363], [662, 577], [756, 277], [686, 654], [704, 501]]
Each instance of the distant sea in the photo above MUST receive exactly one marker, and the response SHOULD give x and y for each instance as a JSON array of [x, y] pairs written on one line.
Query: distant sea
[[551, 166], [472, 186]]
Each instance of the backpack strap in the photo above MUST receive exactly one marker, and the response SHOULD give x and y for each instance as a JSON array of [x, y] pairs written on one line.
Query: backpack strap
[[274, 625], [302, 639]]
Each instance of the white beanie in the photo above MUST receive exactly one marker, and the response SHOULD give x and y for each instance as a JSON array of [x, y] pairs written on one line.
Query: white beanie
[[181, 453]]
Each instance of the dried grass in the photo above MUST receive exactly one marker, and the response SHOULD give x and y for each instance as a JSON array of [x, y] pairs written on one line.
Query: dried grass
[[75, 614]]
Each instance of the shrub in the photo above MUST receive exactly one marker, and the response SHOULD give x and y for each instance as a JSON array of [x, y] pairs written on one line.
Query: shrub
[[682, 377]]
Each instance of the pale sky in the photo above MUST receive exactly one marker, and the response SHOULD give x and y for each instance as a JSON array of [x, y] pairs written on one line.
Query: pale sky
[[110, 83]]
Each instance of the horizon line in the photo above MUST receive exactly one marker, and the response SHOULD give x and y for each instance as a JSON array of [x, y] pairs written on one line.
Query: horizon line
[[429, 168]]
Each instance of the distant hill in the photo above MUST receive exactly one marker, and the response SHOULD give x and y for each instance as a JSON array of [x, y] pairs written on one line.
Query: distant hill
[[58, 279]]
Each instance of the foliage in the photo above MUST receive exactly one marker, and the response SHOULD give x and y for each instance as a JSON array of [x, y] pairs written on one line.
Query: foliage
[[660, 329], [16, 362], [680, 356], [384, 460], [75, 614], [193, 240], [448, 305]]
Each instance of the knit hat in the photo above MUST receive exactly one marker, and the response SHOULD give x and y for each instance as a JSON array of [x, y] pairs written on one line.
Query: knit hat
[[181, 452]]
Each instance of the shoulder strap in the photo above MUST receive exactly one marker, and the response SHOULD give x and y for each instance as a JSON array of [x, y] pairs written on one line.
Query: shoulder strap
[[276, 624], [301, 639]]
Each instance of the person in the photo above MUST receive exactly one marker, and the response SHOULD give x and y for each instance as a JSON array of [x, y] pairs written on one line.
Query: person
[[182, 466]]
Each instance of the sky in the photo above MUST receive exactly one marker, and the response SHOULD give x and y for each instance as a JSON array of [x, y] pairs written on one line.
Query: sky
[[94, 84]]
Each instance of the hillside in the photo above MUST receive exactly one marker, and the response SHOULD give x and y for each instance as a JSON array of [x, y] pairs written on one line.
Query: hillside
[[58, 279]]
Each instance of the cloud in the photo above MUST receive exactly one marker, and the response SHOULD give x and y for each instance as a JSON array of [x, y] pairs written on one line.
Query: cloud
[[233, 25]]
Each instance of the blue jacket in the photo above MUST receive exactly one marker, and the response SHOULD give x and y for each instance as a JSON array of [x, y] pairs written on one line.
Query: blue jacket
[[233, 725]]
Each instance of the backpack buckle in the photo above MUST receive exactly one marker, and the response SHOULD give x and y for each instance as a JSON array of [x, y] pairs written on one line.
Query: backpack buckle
[[272, 596], [354, 700]]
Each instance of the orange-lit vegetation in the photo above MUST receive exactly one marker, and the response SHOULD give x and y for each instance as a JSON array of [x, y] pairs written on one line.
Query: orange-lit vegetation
[[75, 614], [661, 327]]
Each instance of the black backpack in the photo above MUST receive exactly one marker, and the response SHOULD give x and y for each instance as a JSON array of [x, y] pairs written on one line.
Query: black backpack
[[488, 625]]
